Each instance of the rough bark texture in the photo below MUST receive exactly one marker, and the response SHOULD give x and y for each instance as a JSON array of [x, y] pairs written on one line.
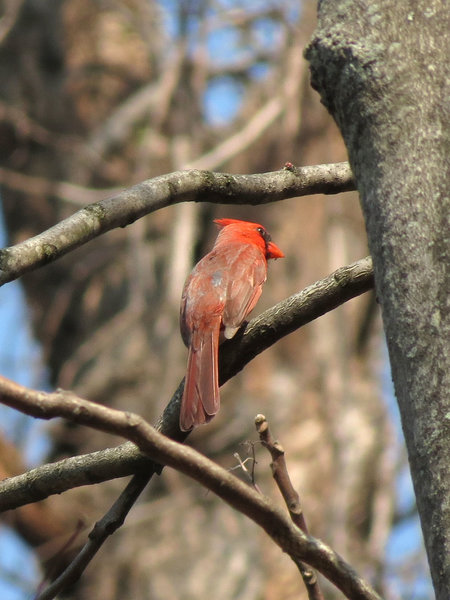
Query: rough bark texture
[[383, 72]]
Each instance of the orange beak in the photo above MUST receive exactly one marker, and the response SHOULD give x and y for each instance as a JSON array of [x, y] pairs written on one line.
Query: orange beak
[[273, 251]]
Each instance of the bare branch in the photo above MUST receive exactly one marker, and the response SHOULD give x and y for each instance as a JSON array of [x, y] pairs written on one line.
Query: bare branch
[[151, 97], [292, 313], [104, 528], [275, 323], [243, 138], [32, 185], [181, 186], [27, 127], [85, 469], [11, 11], [237, 494], [291, 498], [314, 300], [260, 333]]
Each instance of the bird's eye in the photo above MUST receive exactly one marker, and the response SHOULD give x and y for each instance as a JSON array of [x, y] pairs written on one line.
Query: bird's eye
[[263, 233]]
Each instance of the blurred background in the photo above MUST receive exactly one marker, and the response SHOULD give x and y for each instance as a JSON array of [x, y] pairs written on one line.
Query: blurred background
[[97, 95]]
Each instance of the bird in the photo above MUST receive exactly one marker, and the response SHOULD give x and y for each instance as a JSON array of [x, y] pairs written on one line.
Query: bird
[[220, 292]]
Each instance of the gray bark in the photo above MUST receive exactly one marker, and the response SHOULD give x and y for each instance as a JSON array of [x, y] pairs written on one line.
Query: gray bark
[[382, 69]]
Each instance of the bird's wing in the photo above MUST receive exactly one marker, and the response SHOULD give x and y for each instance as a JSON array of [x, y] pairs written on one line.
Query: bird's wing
[[248, 273]]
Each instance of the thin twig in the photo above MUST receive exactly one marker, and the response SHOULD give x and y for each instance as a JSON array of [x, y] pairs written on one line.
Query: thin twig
[[250, 475], [104, 528], [32, 185], [291, 498]]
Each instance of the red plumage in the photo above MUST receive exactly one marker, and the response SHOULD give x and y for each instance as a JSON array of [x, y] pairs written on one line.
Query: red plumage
[[220, 292]]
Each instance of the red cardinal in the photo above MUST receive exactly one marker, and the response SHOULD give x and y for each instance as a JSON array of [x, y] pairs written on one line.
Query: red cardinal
[[221, 291]]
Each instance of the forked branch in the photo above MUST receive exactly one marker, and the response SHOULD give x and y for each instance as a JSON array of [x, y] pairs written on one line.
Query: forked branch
[[298, 545], [253, 338]]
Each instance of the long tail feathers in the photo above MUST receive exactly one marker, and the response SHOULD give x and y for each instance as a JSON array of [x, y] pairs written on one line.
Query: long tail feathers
[[201, 398]]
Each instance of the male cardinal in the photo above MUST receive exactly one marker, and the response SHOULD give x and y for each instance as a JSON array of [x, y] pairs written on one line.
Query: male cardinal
[[221, 291]]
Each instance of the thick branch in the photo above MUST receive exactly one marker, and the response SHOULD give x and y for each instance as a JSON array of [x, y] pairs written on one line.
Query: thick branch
[[159, 448], [260, 333], [166, 190]]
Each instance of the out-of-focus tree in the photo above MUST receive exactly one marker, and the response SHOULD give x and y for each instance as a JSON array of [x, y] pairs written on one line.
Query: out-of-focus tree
[[105, 94]]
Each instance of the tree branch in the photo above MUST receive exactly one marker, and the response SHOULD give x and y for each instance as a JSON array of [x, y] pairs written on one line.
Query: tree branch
[[104, 528], [237, 494], [281, 476], [283, 318], [31, 185], [181, 186], [58, 477], [260, 333]]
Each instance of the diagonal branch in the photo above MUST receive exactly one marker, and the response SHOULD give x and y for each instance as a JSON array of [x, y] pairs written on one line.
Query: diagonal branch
[[281, 476], [260, 333], [33, 185], [275, 323], [298, 545], [103, 529], [243, 138], [181, 186]]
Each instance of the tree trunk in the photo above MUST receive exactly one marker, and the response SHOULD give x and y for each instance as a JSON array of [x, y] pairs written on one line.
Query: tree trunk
[[383, 72]]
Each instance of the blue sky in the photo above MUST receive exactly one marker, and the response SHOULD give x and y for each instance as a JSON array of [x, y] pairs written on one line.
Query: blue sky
[[19, 360]]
